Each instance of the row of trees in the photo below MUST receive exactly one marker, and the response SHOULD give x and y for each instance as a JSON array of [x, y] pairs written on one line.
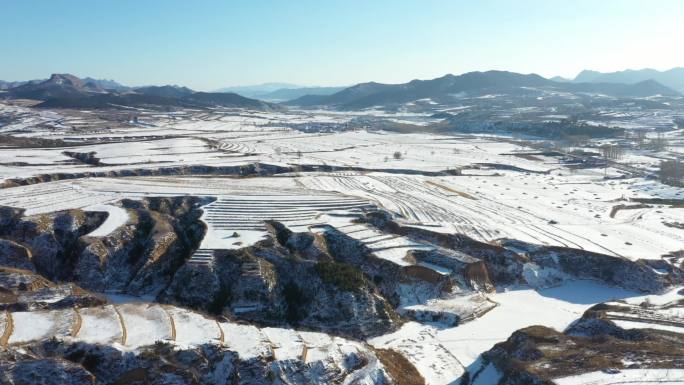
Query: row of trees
[[612, 152], [672, 172]]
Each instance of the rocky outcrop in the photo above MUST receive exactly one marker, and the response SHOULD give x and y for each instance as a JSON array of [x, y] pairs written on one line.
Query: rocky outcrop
[[509, 261], [22, 290], [84, 157], [272, 284], [537, 354], [138, 258], [470, 272], [9, 217], [52, 240], [481, 265], [641, 275], [142, 256], [15, 255], [503, 266], [58, 362], [19, 368]]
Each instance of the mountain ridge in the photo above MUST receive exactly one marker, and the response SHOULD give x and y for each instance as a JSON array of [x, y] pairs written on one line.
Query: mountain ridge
[[371, 94], [672, 78], [69, 91]]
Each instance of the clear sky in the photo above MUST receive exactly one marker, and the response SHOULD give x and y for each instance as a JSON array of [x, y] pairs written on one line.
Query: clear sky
[[208, 44]]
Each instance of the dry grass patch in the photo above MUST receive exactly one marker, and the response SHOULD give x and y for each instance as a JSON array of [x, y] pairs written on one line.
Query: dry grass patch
[[399, 368], [459, 193]]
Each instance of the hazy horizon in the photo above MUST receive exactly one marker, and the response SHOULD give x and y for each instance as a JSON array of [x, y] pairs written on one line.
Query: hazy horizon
[[225, 44]]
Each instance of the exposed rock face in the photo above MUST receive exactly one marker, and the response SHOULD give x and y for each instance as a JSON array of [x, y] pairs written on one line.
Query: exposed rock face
[[537, 354], [9, 216], [51, 239], [138, 258], [84, 157], [57, 362], [295, 281], [15, 255], [22, 290], [142, 256], [502, 266], [468, 271], [638, 275], [611, 270], [16, 368]]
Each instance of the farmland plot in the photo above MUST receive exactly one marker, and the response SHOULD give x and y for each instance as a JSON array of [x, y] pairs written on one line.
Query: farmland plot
[[555, 209], [626, 376], [238, 221], [490, 188]]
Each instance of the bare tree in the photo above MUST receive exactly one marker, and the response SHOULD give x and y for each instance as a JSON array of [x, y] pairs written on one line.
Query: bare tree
[[611, 152], [397, 155], [659, 143], [640, 136], [672, 172]]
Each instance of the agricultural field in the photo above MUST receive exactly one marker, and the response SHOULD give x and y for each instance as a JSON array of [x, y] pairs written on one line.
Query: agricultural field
[[305, 239]]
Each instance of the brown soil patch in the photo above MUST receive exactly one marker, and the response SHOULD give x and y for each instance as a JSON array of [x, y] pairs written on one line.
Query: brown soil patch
[[171, 322], [459, 193], [78, 321], [222, 336], [399, 368], [9, 328], [124, 333]]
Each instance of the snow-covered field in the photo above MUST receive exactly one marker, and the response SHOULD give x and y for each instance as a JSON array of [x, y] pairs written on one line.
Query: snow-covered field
[[502, 192], [132, 325], [626, 376], [560, 208], [116, 217], [517, 308], [238, 220]]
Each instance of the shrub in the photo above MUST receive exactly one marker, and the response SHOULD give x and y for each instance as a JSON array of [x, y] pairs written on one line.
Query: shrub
[[295, 300], [344, 276]]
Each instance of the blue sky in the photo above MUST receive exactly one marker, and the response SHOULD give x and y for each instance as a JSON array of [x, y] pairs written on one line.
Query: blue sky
[[208, 44]]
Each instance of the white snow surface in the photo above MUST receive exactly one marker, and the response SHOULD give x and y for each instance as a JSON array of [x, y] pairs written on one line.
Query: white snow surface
[[116, 218], [626, 376], [435, 350]]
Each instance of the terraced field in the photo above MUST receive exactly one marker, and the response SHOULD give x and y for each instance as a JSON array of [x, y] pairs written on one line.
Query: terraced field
[[557, 209], [132, 325], [238, 220]]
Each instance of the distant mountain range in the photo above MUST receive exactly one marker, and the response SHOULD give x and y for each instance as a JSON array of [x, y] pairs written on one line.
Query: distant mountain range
[[102, 83], [279, 92], [473, 83], [257, 90], [57, 86], [285, 94], [673, 78], [7, 85], [69, 91]]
